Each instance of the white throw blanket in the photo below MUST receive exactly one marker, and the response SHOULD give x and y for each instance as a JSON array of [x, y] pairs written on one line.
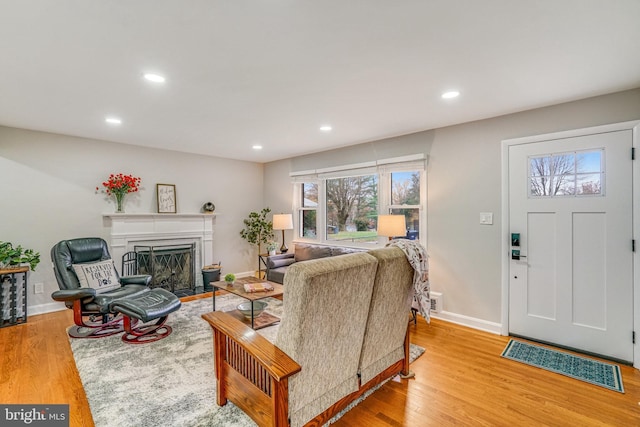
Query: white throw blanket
[[419, 260]]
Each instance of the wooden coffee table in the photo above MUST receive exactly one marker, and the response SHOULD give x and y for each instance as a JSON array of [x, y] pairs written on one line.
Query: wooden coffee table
[[265, 319]]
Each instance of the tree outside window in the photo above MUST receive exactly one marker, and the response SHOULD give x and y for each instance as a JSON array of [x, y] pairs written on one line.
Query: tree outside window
[[405, 200], [352, 205], [343, 208], [308, 212], [566, 174]]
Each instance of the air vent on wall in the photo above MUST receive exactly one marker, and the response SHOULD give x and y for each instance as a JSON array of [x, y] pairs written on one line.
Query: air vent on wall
[[436, 302]]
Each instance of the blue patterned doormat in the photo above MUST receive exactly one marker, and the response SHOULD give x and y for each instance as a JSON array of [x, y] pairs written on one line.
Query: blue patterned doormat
[[588, 370]]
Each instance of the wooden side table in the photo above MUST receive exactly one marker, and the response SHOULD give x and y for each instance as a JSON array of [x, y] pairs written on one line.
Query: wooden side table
[[13, 296]]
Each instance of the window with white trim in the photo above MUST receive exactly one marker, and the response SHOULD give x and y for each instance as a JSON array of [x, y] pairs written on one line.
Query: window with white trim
[[342, 206], [405, 200], [351, 208]]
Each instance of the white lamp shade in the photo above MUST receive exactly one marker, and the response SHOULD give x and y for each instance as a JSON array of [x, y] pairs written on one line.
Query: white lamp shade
[[283, 222], [391, 225]]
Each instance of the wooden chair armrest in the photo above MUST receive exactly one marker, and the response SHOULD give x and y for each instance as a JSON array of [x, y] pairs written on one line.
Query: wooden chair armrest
[[275, 361], [250, 371]]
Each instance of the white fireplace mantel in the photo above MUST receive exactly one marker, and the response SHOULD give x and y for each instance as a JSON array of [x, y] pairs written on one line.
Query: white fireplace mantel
[[157, 215], [127, 230]]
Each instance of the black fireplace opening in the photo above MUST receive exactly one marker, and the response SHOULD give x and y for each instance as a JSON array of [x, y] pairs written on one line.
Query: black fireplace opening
[[171, 267]]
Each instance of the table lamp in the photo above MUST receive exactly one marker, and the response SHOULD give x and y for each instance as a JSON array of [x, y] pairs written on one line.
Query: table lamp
[[283, 222], [391, 226]]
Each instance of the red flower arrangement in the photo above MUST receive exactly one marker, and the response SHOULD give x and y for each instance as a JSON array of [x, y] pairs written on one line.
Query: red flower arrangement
[[119, 184]]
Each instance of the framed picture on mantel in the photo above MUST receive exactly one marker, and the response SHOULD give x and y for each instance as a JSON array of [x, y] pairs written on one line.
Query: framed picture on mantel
[[166, 198]]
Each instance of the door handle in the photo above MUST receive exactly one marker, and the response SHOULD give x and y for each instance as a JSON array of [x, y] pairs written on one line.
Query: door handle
[[515, 247]]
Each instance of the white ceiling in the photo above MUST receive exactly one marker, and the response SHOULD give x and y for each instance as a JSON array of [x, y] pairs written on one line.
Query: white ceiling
[[271, 72]]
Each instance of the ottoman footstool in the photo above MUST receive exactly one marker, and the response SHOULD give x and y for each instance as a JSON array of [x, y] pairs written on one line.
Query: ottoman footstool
[[155, 304]]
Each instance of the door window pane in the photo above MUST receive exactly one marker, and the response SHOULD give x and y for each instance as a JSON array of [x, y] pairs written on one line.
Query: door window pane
[[566, 174], [589, 184], [539, 166], [590, 161], [564, 185]]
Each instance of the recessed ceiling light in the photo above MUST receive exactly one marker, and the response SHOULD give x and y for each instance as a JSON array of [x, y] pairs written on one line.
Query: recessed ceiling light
[[450, 94], [113, 120], [156, 78], [326, 128], [257, 147]]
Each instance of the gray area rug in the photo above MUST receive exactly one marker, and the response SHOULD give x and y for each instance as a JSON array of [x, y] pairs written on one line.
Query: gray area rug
[[168, 382]]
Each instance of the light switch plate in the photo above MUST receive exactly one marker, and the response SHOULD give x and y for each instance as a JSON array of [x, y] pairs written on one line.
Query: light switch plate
[[486, 218]]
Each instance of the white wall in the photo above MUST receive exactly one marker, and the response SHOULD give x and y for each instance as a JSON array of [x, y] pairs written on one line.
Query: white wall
[[48, 190], [279, 192], [49, 181], [463, 179]]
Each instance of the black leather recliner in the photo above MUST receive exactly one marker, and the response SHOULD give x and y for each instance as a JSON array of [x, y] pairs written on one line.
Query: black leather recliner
[[92, 311]]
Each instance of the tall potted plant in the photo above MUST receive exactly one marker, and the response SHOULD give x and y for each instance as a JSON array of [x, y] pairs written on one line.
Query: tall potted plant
[[258, 229]]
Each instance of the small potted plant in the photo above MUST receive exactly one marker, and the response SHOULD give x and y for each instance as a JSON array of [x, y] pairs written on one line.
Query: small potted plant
[[230, 278], [271, 247], [11, 257]]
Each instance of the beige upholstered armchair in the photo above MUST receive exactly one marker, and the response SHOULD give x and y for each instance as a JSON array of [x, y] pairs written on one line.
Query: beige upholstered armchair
[[344, 330]]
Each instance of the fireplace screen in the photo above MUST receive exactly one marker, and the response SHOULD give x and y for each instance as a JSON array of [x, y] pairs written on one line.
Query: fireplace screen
[[171, 267]]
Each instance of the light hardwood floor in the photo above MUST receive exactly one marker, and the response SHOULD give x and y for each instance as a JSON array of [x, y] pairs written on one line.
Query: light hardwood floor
[[460, 380]]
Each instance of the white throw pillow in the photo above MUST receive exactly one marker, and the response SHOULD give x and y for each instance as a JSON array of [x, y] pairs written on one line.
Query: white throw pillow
[[100, 276]]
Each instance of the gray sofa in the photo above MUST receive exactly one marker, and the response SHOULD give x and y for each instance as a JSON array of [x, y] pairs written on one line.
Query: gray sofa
[[277, 265]]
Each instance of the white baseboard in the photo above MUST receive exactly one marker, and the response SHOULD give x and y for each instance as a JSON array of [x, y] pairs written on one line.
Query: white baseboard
[[459, 319], [49, 307], [471, 322], [244, 274]]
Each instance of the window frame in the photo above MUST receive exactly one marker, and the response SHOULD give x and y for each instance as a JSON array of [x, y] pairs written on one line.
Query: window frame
[[383, 170], [302, 208]]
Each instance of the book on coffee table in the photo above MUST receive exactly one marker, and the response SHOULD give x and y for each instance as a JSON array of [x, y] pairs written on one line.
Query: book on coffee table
[[257, 287]]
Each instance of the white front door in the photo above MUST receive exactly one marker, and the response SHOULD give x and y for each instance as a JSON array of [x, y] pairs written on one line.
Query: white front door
[[571, 218]]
